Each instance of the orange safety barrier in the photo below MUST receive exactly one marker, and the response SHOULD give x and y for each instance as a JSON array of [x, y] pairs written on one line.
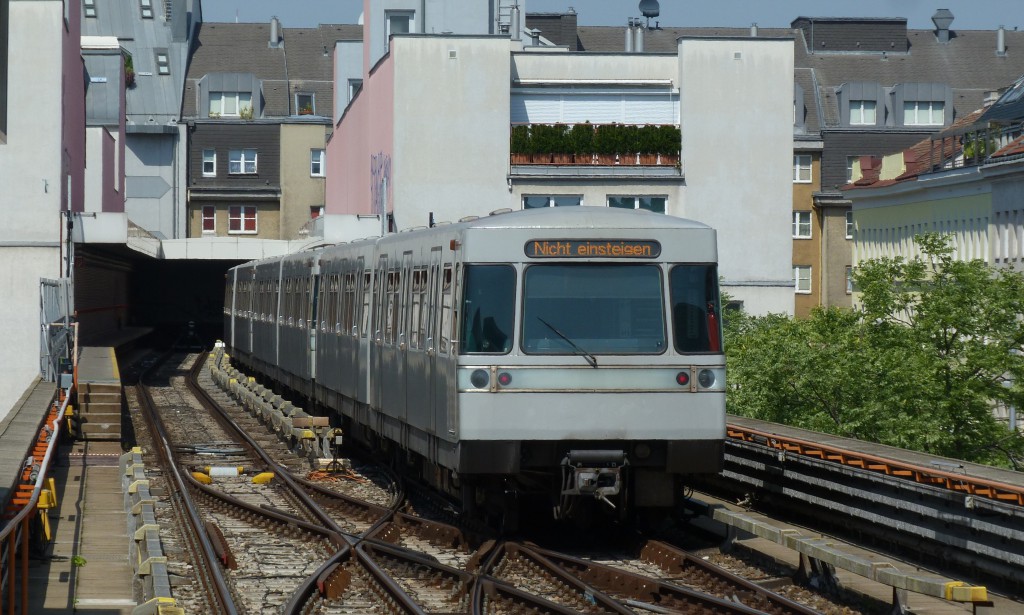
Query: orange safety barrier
[[972, 485], [29, 495]]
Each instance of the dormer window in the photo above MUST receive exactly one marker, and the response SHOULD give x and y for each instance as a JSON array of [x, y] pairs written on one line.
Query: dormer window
[[305, 104], [862, 112], [230, 104], [922, 104], [923, 113], [147, 8]]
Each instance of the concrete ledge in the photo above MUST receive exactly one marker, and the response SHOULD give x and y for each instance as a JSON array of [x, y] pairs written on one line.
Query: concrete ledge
[[834, 553]]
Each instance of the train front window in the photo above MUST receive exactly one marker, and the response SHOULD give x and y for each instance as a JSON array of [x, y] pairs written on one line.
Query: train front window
[[593, 309], [696, 315], [488, 309]]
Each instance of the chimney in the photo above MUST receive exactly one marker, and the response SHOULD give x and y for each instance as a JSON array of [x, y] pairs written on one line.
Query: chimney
[[1001, 41], [629, 35], [942, 20], [534, 37], [753, 29], [275, 31], [638, 39], [513, 29]]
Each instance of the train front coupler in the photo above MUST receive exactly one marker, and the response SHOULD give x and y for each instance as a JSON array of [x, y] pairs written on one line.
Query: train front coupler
[[595, 473]]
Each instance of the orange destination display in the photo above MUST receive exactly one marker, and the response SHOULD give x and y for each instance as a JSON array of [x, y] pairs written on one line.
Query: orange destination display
[[591, 248]]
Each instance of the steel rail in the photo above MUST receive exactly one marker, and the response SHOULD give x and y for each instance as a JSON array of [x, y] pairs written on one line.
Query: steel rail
[[179, 490], [299, 487]]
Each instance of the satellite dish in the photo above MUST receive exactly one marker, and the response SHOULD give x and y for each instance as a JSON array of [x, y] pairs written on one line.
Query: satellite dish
[[649, 8]]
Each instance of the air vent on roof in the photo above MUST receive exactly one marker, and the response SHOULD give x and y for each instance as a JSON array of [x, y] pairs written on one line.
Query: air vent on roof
[[468, 218], [503, 210], [942, 19]]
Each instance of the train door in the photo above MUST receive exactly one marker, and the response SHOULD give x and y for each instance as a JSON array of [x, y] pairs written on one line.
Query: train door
[[377, 332], [363, 360], [250, 298], [402, 340], [312, 316], [433, 336]]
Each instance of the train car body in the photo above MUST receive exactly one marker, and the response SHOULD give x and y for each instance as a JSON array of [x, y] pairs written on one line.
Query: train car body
[[574, 352]]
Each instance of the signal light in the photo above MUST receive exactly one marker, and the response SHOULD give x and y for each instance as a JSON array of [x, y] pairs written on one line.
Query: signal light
[[683, 379], [479, 378], [706, 378], [504, 379]]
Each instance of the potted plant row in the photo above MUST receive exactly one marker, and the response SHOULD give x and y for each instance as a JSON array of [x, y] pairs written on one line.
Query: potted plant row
[[602, 144]]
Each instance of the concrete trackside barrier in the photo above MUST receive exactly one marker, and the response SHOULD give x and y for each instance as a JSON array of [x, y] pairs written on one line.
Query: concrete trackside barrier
[[818, 556], [146, 549], [292, 424]]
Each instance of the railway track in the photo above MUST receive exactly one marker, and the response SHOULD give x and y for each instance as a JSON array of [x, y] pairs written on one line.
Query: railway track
[[353, 542]]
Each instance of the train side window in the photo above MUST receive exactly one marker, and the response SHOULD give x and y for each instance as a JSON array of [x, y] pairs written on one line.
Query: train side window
[[488, 309], [446, 311], [696, 315]]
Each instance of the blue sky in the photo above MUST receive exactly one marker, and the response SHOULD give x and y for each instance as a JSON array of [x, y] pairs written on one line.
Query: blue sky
[[969, 14]]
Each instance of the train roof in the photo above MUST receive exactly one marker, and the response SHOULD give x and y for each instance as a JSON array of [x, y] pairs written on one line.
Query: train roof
[[583, 217]]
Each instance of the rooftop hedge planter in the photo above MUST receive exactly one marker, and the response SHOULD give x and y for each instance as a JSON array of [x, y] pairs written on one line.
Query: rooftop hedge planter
[[600, 144]]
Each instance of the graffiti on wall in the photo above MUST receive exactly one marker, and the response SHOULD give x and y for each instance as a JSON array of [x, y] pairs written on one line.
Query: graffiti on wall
[[380, 186]]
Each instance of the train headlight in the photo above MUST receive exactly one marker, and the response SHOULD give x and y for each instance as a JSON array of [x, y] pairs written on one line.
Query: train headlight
[[642, 451], [504, 379], [480, 378], [706, 378], [683, 379]]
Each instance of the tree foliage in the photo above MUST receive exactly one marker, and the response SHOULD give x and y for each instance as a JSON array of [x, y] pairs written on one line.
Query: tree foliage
[[934, 346]]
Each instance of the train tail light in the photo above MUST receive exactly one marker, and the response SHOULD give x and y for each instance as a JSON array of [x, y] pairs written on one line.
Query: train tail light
[[683, 379]]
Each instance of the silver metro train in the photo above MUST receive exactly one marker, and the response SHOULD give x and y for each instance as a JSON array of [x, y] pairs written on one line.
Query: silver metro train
[[573, 354]]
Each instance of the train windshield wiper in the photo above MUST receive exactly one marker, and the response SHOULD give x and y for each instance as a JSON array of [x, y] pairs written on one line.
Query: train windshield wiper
[[586, 355]]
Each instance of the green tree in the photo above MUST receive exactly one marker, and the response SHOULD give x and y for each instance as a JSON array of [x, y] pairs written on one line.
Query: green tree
[[920, 364]]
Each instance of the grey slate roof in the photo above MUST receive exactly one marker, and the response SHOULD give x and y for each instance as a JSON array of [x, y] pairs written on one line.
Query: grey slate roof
[[302, 63], [967, 63], [155, 101]]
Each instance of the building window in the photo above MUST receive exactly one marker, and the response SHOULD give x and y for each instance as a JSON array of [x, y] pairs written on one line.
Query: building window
[[242, 219], [849, 280], [802, 169], [558, 200], [209, 163], [90, 8], [849, 224], [802, 279], [354, 85], [147, 8], [163, 65], [241, 161], [230, 104], [305, 104], [862, 113], [209, 219], [923, 113], [852, 169], [316, 162], [399, 22], [802, 224], [650, 203], [315, 211]]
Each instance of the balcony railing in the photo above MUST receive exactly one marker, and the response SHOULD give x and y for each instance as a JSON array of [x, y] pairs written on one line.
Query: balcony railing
[[595, 144]]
